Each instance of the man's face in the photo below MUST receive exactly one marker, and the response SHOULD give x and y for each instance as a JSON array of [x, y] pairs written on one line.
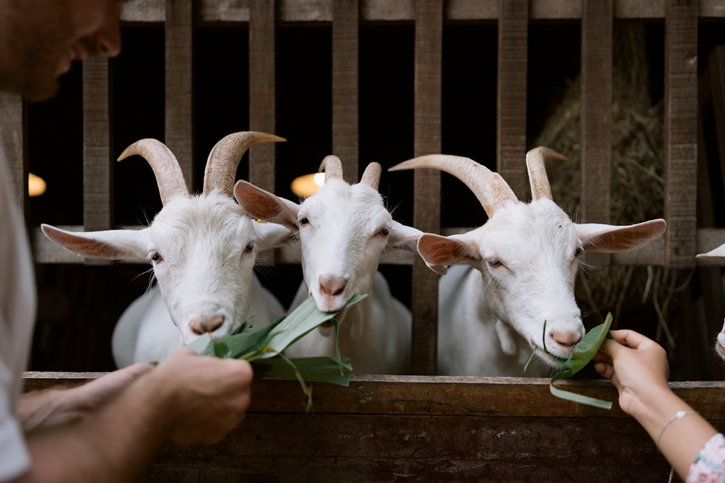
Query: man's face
[[39, 40]]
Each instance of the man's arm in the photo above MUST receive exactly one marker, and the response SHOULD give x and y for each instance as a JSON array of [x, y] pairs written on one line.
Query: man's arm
[[41, 409], [188, 399]]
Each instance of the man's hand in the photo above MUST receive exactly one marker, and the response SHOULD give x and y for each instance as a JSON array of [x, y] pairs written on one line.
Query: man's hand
[[207, 396]]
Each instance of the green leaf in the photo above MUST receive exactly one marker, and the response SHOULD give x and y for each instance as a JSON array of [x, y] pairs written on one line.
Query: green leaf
[[580, 357], [312, 369], [533, 353], [296, 325]]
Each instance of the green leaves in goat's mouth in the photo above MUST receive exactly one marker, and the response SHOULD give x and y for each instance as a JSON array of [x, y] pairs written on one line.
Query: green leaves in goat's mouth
[[583, 352], [263, 348]]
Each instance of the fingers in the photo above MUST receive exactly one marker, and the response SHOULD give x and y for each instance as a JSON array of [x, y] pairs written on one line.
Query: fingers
[[629, 338]]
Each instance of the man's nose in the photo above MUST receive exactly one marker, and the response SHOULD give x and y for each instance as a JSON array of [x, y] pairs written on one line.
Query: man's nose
[[108, 37]]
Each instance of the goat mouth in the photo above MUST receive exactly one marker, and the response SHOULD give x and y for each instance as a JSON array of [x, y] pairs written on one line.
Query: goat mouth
[[548, 356], [720, 349]]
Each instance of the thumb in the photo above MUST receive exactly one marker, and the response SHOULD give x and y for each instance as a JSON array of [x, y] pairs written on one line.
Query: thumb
[[612, 348]]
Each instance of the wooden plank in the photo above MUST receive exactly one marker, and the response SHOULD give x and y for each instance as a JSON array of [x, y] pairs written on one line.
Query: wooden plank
[[321, 11], [179, 134], [345, 113], [681, 132], [513, 30], [716, 68], [97, 152], [427, 182], [262, 100], [506, 397], [13, 142], [596, 116]]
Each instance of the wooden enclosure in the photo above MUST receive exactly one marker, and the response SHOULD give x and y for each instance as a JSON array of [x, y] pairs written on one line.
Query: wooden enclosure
[[419, 428]]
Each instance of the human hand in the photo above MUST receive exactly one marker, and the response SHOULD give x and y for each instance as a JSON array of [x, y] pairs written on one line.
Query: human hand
[[636, 365], [208, 396], [89, 397]]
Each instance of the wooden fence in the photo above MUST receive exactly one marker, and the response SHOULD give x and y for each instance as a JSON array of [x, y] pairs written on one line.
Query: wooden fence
[[414, 417]]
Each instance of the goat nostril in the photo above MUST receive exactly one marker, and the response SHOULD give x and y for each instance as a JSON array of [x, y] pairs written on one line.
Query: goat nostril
[[205, 325], [567, 339], [332, 285]]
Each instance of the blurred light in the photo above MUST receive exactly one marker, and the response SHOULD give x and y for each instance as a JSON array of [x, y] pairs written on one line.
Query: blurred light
[[307, 185], [36, 185]]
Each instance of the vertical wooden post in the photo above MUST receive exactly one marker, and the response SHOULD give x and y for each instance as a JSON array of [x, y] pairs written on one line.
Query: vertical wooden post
[[596, 116], [345, 35], [426, 201], [179, 136], [681, 132], [513, 30], [262, 103], [13, 121], [97, 167]]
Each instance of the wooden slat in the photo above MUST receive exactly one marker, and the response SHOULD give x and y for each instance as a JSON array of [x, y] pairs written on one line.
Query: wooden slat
[[179, 132], [681, 132], [716, 68], [427, 184], [262, 115], [596, 116], [321, 11], [97, 162], [13, 143], [513, 28], [345, 41]]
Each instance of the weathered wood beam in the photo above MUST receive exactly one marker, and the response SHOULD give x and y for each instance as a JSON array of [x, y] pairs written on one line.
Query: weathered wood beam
[[13, 142]]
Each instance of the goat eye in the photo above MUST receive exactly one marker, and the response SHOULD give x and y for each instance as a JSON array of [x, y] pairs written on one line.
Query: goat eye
[[304, 220], [579, 251], [385, 232], [249, 247], [156, 257], [494, 262]]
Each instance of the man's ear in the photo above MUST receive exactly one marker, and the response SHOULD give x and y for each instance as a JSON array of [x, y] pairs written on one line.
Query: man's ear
[[272, 235], [613, 239], [439, 251], [110, 244], [404, 237], [263, 205]]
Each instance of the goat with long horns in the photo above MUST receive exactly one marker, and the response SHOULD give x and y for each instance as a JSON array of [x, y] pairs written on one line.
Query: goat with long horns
[[202, 248], [511, 288]]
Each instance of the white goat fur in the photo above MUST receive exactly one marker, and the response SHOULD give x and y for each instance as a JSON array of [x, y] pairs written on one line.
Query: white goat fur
[[203, 250], [347, 229], [521, 271], [717, 256]]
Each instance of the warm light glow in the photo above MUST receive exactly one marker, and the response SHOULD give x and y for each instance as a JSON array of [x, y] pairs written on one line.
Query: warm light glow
[[307, 185], [36, 185]]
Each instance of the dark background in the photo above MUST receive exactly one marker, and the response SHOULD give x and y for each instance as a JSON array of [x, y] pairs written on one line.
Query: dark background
[[80, 304]]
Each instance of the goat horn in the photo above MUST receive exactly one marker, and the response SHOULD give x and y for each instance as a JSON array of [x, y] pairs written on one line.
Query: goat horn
[[371, 176], [490, 188], [535, 164], [332, 166], [221, 166], [166, 168]]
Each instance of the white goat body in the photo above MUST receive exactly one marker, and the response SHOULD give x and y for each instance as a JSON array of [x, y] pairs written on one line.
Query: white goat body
[[202, 248], [521, 294], [343, 231], [717, 255]]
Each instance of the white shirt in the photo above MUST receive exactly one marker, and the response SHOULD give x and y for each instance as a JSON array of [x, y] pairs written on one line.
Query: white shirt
[[17, 316]]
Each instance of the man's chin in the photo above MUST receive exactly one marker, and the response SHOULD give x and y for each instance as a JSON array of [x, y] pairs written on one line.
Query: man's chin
[[41, 92]]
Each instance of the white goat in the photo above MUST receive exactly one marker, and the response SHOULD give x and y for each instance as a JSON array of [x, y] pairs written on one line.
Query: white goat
[[343, 231], [718, 254], [202, 248], [518, 291]]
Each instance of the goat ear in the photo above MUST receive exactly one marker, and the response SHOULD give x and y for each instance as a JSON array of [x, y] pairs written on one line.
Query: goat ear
[[612, 239], [404, 237], [265, 206], [110, 244], [272, 235], [718, 253], [438, 251]]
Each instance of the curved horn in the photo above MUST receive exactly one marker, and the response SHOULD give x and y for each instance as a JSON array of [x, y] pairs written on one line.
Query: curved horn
[[490, 188], [221, 166], [535, 164], [371, 176], [164, 164], [332, 166]]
